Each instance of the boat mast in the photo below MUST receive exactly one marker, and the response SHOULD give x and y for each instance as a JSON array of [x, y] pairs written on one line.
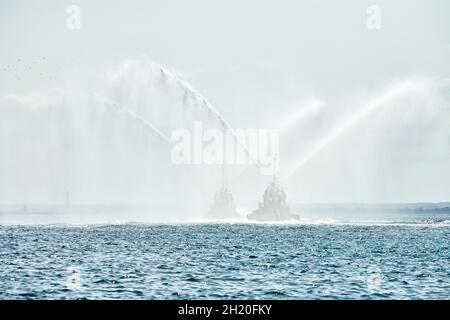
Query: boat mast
[[223, 175], [223, 163], [274, 176]]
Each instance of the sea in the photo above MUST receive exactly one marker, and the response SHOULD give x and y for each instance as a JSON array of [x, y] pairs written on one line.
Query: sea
[[227, 260]]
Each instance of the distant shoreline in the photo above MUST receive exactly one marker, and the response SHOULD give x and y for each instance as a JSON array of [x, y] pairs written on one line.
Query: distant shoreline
[[414, 207]]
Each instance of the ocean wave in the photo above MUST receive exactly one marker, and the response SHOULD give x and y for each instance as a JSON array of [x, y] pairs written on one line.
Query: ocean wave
[[428, 222]]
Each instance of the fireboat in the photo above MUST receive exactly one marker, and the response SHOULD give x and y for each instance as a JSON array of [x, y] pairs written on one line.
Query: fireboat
[[274, 206], [223, 206]]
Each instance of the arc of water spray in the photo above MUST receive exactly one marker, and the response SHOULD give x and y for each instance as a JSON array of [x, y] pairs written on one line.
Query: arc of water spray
[[292, 120], [133, 116], [187, 87], [364, 112]]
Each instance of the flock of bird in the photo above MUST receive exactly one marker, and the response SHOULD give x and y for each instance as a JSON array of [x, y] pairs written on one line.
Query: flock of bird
[[19, 69]]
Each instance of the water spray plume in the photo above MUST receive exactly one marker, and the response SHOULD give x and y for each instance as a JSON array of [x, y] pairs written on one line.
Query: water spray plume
[[200, 100], [132, 115], [300, 115], [363, 112]]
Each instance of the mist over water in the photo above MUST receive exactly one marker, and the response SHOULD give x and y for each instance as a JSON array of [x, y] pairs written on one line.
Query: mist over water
[[225, 150], [109, 144], [380, 147]]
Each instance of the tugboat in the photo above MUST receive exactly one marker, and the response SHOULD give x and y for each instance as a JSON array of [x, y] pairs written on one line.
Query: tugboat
[[274, 206], [223, 206]]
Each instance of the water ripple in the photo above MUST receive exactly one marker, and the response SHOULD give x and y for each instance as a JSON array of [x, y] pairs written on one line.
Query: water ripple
[[225, 262]]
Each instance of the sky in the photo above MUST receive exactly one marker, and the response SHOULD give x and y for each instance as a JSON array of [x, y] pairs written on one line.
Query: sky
[[259, 63]]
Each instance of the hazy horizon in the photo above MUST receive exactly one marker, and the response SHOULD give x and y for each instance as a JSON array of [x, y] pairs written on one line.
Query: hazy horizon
[[363, 115]]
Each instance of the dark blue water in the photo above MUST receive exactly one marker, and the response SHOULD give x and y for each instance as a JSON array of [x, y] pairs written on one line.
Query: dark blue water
[[225, 261]]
